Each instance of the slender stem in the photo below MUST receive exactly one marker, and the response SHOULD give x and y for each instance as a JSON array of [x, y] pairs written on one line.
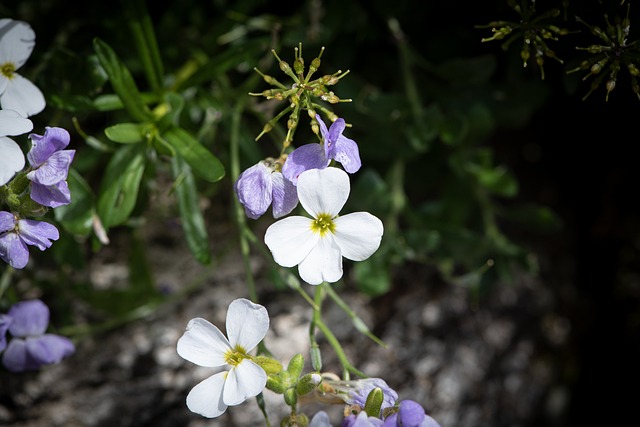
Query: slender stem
[[5, 279]]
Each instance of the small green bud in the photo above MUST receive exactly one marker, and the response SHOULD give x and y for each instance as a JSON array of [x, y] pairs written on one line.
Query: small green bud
[[295, 366], [275, 384], [308, 383], [316, 357], [374, 402], [291, 397], [270, 365]]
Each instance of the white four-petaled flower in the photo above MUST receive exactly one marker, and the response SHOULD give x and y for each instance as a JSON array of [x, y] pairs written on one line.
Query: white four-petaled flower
[[316, 245], [12, 158], [205, 345]]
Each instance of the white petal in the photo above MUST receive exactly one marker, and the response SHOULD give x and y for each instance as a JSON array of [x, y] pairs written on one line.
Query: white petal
[[203, 344], [18, 41], [22, 96], [12, 123], [247, 323], [11, 160], [244, 381], [290, 240], [206, 397], [323, 264], [358, 234], [323, 191]]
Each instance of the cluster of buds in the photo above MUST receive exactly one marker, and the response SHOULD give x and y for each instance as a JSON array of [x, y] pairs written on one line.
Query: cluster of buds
[[302, 95], [535, 30], [610, 57]]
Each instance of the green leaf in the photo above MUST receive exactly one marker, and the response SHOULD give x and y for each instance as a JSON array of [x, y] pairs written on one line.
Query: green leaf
[[126, 133], [121, 81], [203, 163], [119, 188], [372, 276], [193, 224]]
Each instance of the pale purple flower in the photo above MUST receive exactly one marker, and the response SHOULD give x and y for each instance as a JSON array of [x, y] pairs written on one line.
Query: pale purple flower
[[410, 414], [5, 322], [335, 146], [361, 420], [262, 185], [361, 389], [320, 419], [17, 40], [16, 234], [30, 346], [50, 163]]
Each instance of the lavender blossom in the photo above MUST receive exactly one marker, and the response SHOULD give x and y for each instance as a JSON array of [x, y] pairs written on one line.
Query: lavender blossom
[[410, 414], [335, 146], [5, 322], [262, 185], [50, 164], [361, 420], [30, 347], [16, 234]]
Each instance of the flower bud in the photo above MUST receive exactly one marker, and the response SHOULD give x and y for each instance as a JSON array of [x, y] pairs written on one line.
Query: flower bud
[[316, 357], [308, 383], [275, 384], [374, 401], [270, 366], [291, 397], [295, 366]]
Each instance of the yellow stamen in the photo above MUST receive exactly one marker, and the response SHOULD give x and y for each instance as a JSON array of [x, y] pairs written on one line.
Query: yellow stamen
[[323, 224], [8, 69]]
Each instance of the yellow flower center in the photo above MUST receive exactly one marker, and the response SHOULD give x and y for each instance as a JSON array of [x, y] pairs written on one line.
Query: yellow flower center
[[236, 355], [8, 69], [323, 224]]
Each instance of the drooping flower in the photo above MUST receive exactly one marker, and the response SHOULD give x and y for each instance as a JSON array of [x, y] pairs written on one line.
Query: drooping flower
[[240, 377], [410, 414], [50, 163], [16, 234], [262, 185], [12, 158], [17, 40], [316, 245], [30, 346], [318, 156]]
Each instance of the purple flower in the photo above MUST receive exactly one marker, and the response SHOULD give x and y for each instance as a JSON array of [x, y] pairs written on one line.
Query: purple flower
[[30, 347], [16, 234], [262, 185], [5, 322], [315, 156], [50, 164], [410, 414], [320, 419], [358, 396], [361, 420]]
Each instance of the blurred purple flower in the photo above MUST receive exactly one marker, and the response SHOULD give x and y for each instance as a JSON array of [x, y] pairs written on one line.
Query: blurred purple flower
[[315, 156], [30, 347], [361, 420], [5, 322], [262, 185], [16, 234], [410, 414], [50, 164]]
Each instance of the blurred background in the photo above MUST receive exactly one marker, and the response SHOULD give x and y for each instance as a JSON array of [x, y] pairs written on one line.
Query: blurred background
[[508, 279]]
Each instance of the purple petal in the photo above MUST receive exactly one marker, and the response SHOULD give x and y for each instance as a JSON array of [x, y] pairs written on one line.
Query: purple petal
[[30, 318], [14, 357], [13, 250], [7, 221], [49, 348], [5, 322], [253, 189], [410, 413], [37, 233], [285, 195], [335, 132], [347, 154], [309, 156], [54, 169], [52, 195], [54, 139]]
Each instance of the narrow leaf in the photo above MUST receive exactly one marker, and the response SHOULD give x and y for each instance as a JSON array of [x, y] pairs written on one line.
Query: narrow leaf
[[203, 163]]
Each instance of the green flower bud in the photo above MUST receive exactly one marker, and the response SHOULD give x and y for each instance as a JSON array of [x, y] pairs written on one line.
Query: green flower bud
[[295, 366], [275, 384], [316, 357], [374, 402], [291, 397], [308, 383], [270, 366]]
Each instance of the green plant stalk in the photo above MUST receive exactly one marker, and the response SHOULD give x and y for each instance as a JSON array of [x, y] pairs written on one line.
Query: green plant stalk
[[146, 43], [5, 279]]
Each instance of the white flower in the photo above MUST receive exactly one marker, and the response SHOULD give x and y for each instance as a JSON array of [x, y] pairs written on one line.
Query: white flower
[[11, 156], [17, 40], [239, 378], [316, 245]]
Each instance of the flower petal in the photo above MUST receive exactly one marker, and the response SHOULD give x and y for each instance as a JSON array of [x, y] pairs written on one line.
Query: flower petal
[[243, 381], [11, 161], [7, 221], [247, 323], [5, 322], [37, 233], [285, 195], [290, 240], [43, 146], [12, 123], [30, 318], [203, 344], [254, 190], [323, 264], [306, 157], [22, 96], [320, 419], [13, 250], [206, 397], [50, 348], [51, 195], [323, 191], [14, 357], [18, 41], [358, 235], [54, 169], [346, 152]]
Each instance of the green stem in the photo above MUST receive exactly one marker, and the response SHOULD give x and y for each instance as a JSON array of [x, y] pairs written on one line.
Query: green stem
[[5, 279]]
